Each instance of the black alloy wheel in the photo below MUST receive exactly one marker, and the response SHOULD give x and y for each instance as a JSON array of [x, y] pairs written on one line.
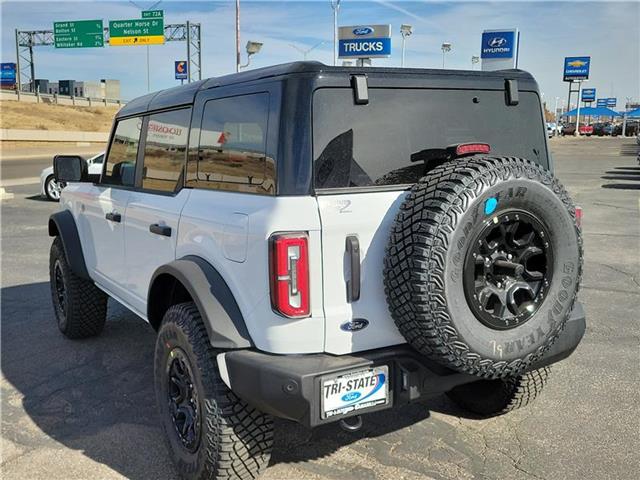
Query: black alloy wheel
[[508, 270], [183, 399]]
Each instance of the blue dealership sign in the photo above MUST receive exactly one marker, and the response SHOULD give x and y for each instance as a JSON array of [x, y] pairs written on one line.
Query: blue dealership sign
[[576, 68], [7, 73], [364, 47], [364, 41], [589, 95], [612, 102], [496, 44], [181, 70], [602, 102]]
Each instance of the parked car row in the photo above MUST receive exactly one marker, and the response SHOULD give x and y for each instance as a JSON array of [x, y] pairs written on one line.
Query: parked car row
[[599, 129]]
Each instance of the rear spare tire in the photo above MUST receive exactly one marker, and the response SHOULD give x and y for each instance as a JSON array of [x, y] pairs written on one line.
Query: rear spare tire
[[483, 264]]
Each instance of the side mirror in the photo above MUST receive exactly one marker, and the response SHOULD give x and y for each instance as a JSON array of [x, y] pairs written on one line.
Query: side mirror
[[70, 168]]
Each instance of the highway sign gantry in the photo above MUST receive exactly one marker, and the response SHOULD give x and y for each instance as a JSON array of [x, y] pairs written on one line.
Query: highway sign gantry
[[78, 34]]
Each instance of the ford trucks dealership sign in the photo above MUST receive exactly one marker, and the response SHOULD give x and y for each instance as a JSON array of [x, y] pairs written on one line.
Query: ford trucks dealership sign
[[364, 41], [499, 49]]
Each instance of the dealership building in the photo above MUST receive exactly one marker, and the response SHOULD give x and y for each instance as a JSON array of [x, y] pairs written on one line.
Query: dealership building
[[104, 88]]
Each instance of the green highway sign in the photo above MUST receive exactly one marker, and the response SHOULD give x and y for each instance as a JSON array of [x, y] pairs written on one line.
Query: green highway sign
[[78, 34], [146, 31], [153, 14]]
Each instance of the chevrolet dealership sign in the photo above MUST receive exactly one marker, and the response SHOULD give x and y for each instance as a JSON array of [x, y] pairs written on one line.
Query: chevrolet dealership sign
[[364, 41], [499, 49]]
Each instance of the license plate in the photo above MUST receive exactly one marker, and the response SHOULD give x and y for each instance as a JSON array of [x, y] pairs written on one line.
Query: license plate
[[355, 391]]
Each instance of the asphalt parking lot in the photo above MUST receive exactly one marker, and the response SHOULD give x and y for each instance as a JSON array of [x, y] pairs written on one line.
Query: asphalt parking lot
[[86, 409]]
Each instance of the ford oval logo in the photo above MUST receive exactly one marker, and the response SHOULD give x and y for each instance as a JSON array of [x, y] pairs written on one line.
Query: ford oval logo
[[497, 42], [351, 396], [354, 325], [362, 31]]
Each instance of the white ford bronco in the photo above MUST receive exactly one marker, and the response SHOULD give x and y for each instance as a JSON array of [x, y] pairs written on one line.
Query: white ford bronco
[[318, 243]]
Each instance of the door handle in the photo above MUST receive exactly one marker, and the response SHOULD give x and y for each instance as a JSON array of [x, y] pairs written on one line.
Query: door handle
[[113, 217], [353, 284], [160, 229]]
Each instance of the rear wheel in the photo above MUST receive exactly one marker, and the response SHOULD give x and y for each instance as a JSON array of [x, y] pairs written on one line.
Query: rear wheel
[[80, 307], [497, 397], [212, 434]]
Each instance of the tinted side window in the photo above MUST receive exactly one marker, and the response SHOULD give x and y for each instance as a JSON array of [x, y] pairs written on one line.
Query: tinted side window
[[121, 162], [165, 150], [233, 145]]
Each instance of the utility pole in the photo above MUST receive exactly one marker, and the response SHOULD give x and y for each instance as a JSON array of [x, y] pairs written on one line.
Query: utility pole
[[237, 36], [335, 5]]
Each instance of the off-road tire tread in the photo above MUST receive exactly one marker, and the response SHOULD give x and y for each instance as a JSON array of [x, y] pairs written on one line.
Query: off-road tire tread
[[506, 394], [86, 303], [240, 437], [415, 259]]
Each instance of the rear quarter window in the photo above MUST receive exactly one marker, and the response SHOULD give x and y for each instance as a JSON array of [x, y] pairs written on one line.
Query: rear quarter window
[[371, 145]]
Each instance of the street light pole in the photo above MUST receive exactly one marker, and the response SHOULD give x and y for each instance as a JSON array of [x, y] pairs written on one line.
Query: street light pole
[[307, 51], [335, 5], [446, 47], [405, 31], [148, 69]]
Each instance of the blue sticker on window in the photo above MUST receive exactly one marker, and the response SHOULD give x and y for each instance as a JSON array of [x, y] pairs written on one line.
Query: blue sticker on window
[[490, 205]]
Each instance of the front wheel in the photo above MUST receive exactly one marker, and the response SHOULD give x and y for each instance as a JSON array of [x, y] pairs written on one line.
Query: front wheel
[[211, 433], [52, 189], [80, 307]]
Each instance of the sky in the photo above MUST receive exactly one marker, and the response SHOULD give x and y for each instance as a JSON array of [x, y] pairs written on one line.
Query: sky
[[607, 31]]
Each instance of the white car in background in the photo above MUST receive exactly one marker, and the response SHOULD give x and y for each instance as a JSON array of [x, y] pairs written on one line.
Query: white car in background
[[50, 189]]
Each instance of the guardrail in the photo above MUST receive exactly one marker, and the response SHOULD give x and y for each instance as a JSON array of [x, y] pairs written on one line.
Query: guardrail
[[52, 136], [56, 99]]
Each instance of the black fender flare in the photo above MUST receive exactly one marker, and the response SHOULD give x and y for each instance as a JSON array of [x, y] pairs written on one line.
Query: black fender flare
[[218, 307], [63, 225]]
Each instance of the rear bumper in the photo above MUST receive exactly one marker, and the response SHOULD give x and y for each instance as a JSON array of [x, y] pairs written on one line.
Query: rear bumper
[[288, 386]]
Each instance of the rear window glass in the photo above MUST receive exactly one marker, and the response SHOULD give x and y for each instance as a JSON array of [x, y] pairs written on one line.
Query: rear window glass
[[371, 145]]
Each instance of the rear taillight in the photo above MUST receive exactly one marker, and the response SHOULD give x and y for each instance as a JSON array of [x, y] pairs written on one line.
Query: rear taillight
[[289, 274], [579, 217], [472, 149]]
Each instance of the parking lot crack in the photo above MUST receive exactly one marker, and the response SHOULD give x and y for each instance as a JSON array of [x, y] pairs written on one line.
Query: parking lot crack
[[615, 269]]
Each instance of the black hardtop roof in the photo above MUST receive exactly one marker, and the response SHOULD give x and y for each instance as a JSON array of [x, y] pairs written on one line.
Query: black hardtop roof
[[185, 94]]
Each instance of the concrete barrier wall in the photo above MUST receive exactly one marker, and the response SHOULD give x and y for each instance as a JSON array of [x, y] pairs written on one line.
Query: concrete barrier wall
[[52, 136], [58, 99]]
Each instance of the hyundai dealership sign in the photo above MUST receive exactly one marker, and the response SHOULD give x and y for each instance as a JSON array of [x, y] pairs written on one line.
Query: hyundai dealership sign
[[364, 41], [499, 49]]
